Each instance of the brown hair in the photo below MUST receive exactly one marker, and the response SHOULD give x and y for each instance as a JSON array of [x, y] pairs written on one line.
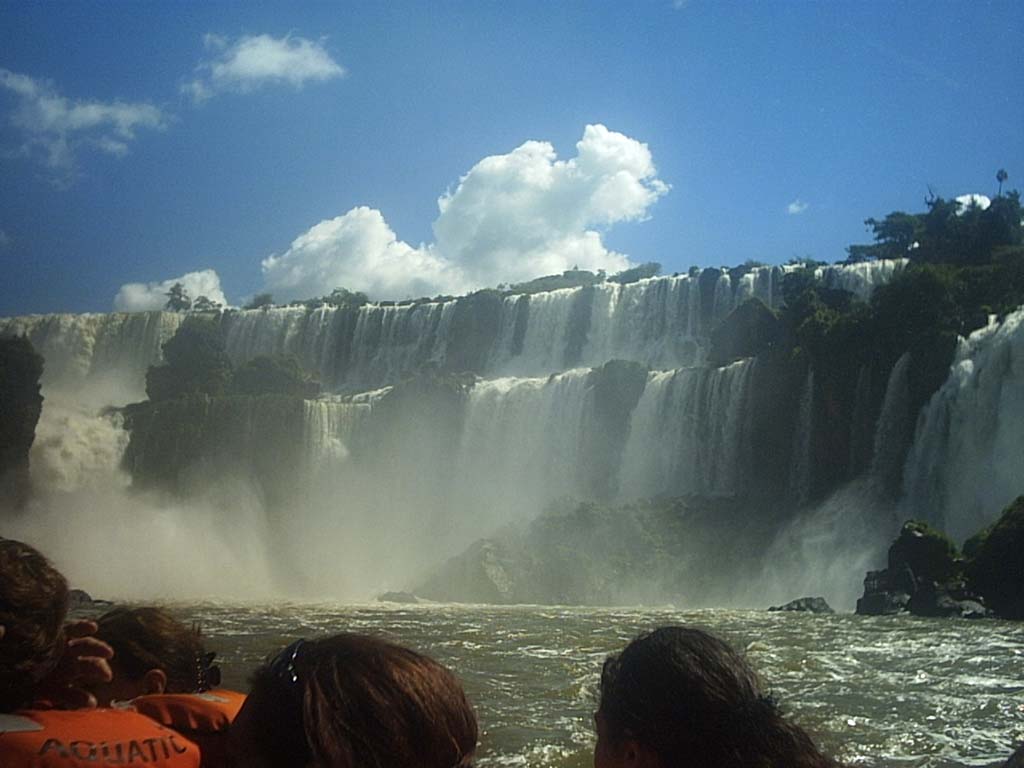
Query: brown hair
[[693, 700], [33, 604], [351, 701], [150, 638]]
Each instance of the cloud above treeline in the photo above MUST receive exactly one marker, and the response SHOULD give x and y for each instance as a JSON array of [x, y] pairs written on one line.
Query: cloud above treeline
[[253, 61], [55, 128], [511, 218], [143, 297], [797, 207]]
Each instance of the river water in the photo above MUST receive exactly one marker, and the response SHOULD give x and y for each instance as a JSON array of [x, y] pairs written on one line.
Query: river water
[[875, 691]]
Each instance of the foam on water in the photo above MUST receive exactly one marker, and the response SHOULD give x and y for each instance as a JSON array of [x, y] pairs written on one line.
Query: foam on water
[[876, 691]]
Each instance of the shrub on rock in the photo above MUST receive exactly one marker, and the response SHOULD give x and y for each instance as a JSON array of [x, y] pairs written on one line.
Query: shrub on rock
[[929, 554], [996, 570]]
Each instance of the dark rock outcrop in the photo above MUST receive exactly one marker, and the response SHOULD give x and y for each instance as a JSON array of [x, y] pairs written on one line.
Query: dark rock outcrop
[[805, 605], [20, 406], [881, 597], [945, 601], [674, 550], [924, 578], [487, 572], [923, 553], [616, 388], [995, 567], [749, 330]]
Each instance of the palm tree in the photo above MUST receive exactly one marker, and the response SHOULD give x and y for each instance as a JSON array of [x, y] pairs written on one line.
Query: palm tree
[[1001, 176]]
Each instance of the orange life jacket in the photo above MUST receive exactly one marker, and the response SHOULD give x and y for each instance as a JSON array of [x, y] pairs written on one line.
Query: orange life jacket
[[90, 738], [203, 718]]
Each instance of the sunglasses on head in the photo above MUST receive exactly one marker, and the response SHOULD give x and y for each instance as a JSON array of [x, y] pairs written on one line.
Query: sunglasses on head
[[282, 666]]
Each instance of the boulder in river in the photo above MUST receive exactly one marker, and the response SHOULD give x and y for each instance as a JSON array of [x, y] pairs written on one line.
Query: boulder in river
[[805, 605]]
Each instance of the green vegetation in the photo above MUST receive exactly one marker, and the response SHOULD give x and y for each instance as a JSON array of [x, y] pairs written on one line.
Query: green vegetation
[[195, 363], [749, 330], [266, 375], [995, 562], [947, 233], [196, 402], [965, 263], [178, 300], [930, 554]]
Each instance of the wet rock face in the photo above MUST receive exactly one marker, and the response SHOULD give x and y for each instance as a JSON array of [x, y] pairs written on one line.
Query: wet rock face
[[749, 330], [20, 406], [924, 552], [881, 597], [996, 569], [924, 577], [805, 605]]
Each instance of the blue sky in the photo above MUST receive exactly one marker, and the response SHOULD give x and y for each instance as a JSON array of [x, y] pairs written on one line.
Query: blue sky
[[324, 135]]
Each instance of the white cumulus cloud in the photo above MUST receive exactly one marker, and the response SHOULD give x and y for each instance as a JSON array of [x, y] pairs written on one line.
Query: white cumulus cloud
[[54, 128], [256, 60], [796, 207], [512, 217], [142, 297], [358, 251], [965, 202]]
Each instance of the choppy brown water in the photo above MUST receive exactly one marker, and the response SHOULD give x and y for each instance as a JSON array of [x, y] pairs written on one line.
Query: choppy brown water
[[893, 691]]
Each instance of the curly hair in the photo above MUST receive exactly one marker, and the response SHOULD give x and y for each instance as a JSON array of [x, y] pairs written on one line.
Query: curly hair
[[33, 604], [693, 700]]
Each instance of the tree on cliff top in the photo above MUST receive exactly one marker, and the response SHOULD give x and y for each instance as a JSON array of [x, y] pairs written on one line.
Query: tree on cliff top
[[178, 299], [949, 232]]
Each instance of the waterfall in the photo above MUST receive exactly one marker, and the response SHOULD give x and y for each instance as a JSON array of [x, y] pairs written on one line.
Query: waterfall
[[690, 433], [967, 460], [330, 424], [661, 322], [520, 445], [800, 474], [345, 348], [108, 352], [891, 431]]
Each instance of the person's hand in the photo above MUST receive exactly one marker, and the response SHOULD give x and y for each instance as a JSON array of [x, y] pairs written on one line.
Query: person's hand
[[85, 662]]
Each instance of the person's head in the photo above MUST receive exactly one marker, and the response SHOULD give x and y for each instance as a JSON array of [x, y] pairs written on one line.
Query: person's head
[[679, 697], [353, 701], [33, 604], [153, 653]]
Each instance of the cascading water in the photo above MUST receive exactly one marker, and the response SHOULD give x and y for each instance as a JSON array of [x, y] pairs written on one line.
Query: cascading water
[[690, 434], [105, 353], [967, 459], [326, 470], [520, 445], [662, 322], [800, 474]]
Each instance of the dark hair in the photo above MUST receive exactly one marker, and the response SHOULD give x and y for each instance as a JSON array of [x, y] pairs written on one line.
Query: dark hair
[[354, 701], [693, 700], [33, 604], [150, 638]]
